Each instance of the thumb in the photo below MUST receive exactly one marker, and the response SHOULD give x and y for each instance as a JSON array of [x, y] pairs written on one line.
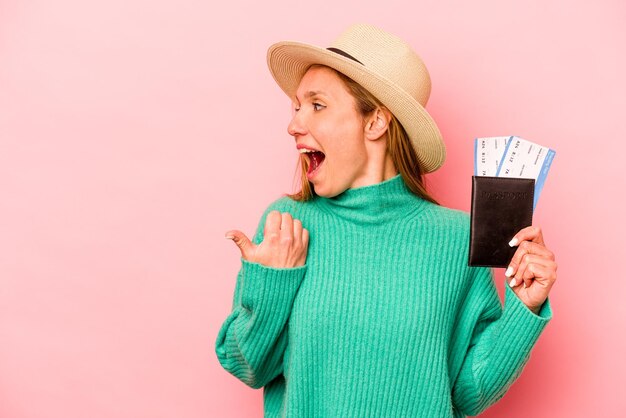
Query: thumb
[[243, 242]]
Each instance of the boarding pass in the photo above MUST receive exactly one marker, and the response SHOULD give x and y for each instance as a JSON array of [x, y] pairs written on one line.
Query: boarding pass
[[512, 156]]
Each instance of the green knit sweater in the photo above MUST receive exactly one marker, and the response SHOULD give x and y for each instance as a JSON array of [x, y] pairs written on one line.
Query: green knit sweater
[[385, 319]]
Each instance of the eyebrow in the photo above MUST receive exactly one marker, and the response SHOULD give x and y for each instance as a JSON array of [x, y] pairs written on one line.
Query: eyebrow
[[310, 94]]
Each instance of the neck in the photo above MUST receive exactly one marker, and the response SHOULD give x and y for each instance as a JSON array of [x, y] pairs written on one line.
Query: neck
[[379, 169]]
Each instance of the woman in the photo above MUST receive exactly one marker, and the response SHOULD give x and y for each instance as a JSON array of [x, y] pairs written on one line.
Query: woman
[[354, 298]]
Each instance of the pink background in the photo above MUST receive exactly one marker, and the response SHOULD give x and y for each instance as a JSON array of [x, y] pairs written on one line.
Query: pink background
[[133, 134]]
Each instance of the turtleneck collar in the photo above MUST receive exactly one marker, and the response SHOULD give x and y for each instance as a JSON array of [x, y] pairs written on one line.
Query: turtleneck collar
[[374, 204]]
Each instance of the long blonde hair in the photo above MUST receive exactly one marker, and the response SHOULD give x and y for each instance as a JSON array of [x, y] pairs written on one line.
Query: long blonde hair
[[398, 145]]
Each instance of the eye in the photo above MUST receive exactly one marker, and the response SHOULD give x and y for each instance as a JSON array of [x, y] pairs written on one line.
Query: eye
[[318, 106]]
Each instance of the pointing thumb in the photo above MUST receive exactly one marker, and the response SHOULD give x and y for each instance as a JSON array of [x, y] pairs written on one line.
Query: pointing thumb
[[243, 242]]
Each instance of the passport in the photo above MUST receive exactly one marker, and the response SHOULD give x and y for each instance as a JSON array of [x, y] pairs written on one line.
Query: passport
[[501, 206]]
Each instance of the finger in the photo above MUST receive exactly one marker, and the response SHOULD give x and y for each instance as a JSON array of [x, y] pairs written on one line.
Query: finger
[[272, 225], [527, 247], [286, 227], [305, 240], [530, 248], [532, 259], [297, 230], [525, 275], [243, 242], [530, 233], [546, 273]]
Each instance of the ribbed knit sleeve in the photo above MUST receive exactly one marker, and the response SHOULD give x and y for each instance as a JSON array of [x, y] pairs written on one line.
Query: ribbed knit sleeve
[[252, 340], [500, 344]]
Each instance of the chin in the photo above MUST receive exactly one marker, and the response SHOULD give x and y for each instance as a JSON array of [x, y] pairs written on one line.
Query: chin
[[320, 193], [326, 192]]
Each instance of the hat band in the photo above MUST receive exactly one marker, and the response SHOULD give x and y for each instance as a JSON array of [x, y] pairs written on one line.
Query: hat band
[[345, 54]]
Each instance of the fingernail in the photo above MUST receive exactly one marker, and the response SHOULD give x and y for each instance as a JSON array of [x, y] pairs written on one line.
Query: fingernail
[[513, 242], [524, 285], [512, 283], [230, 237], [508, 272]]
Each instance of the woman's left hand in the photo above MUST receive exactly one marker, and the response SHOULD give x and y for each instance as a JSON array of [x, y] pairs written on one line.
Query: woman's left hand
[[532, 270]]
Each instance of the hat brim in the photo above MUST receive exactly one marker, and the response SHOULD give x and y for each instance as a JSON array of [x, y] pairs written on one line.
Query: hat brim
[[288, 62]]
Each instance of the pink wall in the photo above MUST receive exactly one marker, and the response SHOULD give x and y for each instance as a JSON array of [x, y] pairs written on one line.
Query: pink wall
[[133, 134]]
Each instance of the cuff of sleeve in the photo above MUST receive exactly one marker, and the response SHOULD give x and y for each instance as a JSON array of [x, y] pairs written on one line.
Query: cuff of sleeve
[[269, 286], [522, 325], [545, 312]]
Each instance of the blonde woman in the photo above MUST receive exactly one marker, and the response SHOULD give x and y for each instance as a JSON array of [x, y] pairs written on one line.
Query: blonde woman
[[354, 297]]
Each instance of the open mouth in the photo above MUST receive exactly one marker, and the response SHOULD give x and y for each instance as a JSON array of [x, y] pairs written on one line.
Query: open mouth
[[316, 158]]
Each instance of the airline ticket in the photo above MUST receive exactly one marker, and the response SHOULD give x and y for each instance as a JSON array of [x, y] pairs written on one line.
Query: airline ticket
[[513, 157], [488, 153]]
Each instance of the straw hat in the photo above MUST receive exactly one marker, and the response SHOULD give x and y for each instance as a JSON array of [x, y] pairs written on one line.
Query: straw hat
[[382, 63]]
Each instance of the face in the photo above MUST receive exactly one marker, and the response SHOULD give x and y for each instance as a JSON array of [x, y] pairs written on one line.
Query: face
[[329, 131]]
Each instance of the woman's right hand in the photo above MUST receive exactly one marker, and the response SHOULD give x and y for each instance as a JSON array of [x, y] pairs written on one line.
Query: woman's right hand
[[285, 242]]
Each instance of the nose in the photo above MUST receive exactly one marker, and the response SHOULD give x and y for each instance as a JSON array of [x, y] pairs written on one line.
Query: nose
[[296, 126]]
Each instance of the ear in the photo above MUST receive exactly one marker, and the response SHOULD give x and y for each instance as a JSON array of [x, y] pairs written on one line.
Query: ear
[[377, 123]]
